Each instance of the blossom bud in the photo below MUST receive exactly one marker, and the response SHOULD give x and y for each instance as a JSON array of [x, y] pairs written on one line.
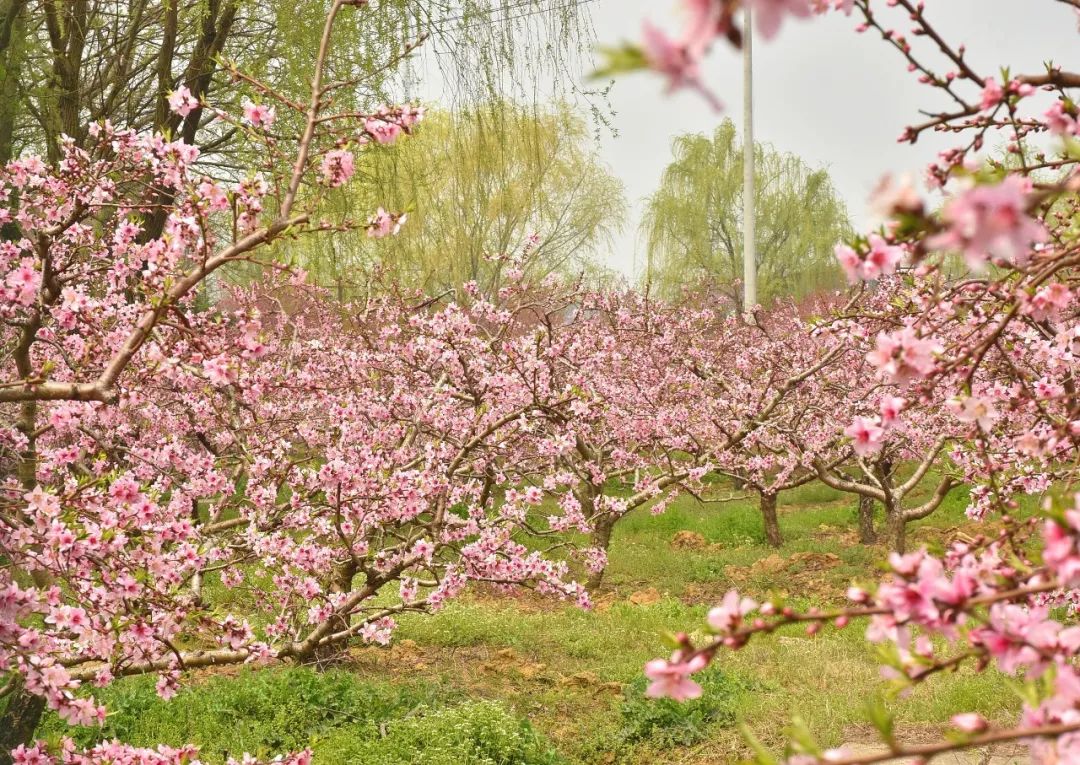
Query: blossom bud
[[857, 595], [970, 722]]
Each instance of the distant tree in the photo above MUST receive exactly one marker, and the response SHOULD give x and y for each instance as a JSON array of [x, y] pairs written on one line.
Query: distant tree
[[479, 186], [693, 223], [65, 65]]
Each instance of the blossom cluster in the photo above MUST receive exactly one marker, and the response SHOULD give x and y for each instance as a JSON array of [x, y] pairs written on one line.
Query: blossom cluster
[[962, 323]]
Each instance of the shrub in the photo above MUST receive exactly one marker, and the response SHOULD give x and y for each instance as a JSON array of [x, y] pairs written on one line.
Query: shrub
[[665, 723], [472, 733], [262, 712]]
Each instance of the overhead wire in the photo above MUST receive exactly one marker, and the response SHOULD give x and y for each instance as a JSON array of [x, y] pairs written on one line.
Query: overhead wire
[[509, 9]]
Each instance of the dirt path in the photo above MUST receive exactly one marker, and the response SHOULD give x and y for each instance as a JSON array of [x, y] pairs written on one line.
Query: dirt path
[[1003, 755]]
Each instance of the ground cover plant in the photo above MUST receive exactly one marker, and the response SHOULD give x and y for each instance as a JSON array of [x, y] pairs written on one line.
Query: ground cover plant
[[469, 526], [575, 676]]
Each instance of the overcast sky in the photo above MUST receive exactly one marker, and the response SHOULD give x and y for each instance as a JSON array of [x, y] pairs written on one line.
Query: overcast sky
[[836, 98]]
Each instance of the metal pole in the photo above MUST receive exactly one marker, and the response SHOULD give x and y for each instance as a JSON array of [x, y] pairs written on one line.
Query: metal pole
[[749, 249]]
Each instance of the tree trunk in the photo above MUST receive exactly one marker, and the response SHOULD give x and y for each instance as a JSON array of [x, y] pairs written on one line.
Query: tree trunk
[[896, 528], [342, 582], [867, 534], [24, 710], [773, 536], [19, 721], [601, 538], [12, 53]]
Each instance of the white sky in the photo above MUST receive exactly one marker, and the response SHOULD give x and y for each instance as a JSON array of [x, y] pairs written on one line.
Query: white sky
[[836, 98]]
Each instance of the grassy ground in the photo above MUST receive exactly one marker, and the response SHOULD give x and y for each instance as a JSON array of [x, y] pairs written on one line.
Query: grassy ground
[[489, 680]]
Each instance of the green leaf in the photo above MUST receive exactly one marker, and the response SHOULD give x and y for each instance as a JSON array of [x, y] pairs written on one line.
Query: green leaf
[[670, 640], [762, 756], [460, 509], [957, 736], [800, 735], [1072, 148], [880, 717], [1027, 691], [623, 59]]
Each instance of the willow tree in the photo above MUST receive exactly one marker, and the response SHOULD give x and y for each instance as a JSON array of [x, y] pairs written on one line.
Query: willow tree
[[65, 64], [692, 224], [479, 187]]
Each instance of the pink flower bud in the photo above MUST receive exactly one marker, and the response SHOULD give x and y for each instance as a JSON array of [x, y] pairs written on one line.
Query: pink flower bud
[[970, 722]]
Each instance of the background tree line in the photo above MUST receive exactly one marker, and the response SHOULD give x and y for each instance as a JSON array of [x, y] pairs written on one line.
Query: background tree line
[[500, 161], [692, 224]]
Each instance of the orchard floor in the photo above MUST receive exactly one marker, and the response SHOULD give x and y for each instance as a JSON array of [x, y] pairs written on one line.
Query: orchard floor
[[494, 681]]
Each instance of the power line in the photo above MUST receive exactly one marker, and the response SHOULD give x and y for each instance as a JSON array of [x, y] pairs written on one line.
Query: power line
[[515, 6], [508, 9]]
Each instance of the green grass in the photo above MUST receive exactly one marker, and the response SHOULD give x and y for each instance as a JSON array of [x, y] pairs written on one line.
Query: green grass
[[642, 555], [665, 723], [825, 680], [341, 717], [490, 681], [473, 733]]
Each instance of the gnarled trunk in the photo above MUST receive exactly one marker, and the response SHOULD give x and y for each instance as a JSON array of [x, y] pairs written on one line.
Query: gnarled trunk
[[601, 538], [867, 534], [602, 526], [895, 522], [23, 712], [896, 528], [13, 48], [767, 503], [19, 721], [342, 582]]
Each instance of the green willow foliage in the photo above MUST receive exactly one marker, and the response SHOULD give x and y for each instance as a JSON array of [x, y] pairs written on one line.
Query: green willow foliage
[[693, 223], [476, 51], [476, 184], [66, 63]]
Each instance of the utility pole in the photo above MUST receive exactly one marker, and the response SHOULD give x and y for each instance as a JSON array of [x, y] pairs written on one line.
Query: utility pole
[[749, 249]]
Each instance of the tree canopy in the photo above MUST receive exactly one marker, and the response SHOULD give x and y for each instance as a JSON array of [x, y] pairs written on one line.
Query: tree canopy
[[65, 65], [693, 222], [480, 186]]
